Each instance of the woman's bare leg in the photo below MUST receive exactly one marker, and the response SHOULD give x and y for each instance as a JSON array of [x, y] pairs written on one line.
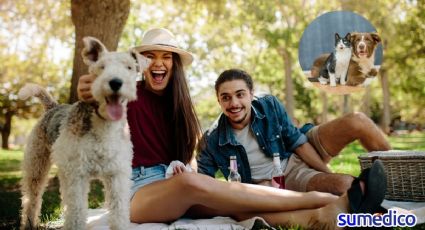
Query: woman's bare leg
[[321, 218], [167, 200]]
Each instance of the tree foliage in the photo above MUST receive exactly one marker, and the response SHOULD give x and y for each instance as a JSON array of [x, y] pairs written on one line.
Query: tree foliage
[[262, 37], [28, 35]]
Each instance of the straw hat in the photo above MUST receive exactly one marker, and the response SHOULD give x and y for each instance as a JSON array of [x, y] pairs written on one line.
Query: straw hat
[[162, 39]]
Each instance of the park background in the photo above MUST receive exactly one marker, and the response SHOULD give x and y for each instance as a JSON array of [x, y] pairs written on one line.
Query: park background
[[38, 40]]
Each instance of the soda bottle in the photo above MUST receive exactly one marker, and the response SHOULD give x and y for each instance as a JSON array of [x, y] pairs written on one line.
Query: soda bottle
[[233, 175], [278, 180]]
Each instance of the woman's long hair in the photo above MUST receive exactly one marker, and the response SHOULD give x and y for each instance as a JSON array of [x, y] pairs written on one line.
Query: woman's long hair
[[187, 129]]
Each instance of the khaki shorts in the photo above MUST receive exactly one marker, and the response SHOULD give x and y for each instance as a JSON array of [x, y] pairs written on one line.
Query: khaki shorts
[[297, 173]]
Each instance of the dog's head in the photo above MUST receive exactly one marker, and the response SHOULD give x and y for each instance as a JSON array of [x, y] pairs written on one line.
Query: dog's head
[[115, 82], [364, 44]]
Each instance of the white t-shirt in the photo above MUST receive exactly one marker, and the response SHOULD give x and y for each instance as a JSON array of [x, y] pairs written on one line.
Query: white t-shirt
[[261, 166]]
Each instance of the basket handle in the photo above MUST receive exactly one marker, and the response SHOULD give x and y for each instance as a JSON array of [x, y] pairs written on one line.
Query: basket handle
[[374, 158]]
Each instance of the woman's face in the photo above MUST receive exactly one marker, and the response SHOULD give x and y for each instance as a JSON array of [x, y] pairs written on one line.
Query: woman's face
[[159, 72]]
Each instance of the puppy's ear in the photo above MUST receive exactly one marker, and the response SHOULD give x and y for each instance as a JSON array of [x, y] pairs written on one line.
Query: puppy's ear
[[93, 50], [142, 61], [376, 37]]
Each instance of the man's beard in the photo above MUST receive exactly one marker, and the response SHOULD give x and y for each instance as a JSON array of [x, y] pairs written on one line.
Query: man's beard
[[241, 120]]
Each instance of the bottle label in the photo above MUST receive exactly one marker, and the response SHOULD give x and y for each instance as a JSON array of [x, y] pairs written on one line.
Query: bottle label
[[233, 165], [278, 182]]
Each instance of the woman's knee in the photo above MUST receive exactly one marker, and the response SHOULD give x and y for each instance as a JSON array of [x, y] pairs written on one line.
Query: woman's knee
[[193, 183]]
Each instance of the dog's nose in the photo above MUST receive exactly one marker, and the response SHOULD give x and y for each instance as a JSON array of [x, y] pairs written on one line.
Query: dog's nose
[[361, 46], [115, 84]]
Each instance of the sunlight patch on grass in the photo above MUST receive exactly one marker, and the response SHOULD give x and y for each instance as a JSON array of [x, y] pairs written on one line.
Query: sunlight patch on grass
[[11, 174]]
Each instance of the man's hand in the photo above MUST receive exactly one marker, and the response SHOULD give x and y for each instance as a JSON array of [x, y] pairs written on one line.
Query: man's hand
[[311, 157], [84, 88]]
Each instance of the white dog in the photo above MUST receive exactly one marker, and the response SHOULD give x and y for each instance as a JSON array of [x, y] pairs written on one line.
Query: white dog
[[84, 140]]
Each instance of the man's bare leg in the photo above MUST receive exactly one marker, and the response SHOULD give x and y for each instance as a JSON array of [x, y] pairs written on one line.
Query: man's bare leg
[[334, 183], [336, 134]]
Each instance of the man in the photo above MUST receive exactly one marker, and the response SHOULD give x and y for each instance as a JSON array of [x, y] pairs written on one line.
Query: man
[[255, 128]]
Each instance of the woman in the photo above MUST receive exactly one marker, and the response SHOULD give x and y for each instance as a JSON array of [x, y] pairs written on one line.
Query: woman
[[164, 127]]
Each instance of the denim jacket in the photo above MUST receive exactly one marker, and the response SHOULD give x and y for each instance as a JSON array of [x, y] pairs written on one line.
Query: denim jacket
[[272, 128]]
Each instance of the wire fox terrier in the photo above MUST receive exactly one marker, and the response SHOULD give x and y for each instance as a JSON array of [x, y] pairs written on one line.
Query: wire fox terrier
[[84, 140]]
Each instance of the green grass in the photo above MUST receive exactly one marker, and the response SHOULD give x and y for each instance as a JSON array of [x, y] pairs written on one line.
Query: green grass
[[10, 175], [10, 203], [347, 161]]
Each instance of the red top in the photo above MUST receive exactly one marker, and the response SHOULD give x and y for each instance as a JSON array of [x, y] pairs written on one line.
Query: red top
[[151, 128]]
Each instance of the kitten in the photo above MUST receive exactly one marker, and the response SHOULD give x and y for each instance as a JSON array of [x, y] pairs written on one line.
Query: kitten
[[336, 65]]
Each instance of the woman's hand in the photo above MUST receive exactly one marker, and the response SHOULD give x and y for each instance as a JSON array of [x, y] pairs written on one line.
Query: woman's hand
[[177, 167], [84, 88]]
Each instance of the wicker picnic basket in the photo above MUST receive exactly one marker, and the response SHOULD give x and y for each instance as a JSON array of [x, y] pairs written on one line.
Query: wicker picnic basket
[[405, 173]]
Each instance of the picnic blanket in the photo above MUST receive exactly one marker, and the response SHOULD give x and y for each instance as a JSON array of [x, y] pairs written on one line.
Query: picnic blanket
[[416, 208], [98, 220]]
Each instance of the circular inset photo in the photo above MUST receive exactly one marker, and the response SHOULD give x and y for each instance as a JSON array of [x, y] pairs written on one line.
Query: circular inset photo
[[340, 52]]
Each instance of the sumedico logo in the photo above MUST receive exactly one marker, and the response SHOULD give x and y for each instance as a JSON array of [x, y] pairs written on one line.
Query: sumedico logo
[[390, 219]]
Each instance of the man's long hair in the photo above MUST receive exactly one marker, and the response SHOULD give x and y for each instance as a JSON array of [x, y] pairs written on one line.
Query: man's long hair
[[187, 129]]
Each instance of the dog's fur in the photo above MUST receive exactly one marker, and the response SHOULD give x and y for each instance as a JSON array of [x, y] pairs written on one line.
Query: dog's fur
[[84, 141], [362, 60], [361, 67]]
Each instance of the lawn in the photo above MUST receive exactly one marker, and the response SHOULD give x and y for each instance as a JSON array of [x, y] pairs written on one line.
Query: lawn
[[10, 203], [10, 174]]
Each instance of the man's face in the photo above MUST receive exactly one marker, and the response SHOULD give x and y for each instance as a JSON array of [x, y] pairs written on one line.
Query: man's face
[[235, 100], [159, 72]]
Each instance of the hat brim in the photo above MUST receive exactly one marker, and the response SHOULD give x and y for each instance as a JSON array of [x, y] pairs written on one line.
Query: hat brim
[[185, 56]]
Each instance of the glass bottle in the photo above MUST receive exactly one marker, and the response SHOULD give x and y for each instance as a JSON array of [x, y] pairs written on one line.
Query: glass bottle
[[278, 180], [233, 175]]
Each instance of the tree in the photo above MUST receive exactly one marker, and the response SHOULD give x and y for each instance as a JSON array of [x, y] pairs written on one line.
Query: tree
[[27, 37], [401, 70], [103, 19]]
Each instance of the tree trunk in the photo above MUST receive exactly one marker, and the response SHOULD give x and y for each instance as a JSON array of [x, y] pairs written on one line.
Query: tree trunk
[[386, 113], [366, 102], [289, 85], [324, 107], [103, 19], [5, 132], [346, 104]]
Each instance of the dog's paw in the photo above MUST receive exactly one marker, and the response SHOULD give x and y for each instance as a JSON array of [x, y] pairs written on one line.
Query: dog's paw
[[323, 81]]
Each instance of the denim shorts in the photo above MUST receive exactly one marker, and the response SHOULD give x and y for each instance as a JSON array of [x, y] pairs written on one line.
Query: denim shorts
[[142, 176]]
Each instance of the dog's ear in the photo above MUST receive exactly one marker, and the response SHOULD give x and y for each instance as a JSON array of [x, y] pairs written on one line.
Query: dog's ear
[[353, 36], [376, 37], [142, 61], [93, 50]]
